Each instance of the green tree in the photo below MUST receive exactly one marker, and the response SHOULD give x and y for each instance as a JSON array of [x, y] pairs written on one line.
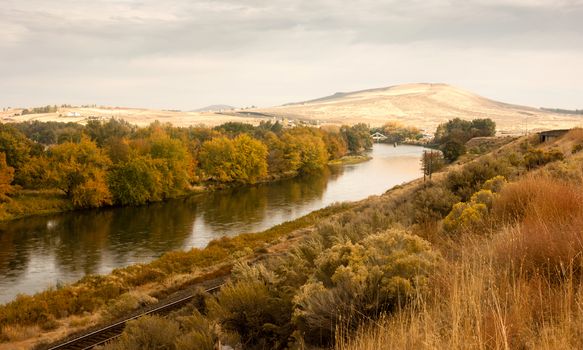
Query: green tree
[[452, 150], [135, 182], [357, 137], [452, 136]]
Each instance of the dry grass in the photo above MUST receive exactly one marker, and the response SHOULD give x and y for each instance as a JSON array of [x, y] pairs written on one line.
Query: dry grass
[[548, 236], [519, 288], [17, 333], [477, 304]]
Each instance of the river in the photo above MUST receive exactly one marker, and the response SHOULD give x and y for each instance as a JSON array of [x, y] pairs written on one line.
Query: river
[[39, 252]]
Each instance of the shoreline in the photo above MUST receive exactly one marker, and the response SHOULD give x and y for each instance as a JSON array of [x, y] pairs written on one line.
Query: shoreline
[[38, 203]]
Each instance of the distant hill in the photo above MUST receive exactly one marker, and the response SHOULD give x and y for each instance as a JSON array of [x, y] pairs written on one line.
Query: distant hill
[[423, 105], [214, 108]]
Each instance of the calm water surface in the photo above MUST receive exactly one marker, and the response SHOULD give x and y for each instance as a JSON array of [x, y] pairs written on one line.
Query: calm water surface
[[39, 252]]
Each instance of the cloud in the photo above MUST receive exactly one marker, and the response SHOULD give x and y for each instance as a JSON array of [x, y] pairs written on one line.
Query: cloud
[[191, 53]]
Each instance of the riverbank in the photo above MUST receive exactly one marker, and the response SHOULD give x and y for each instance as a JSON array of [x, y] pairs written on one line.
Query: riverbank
[[28, 203], [53, 313], [353, 159]]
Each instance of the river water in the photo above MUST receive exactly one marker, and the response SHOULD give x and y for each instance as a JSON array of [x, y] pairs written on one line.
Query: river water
[[39, 252]]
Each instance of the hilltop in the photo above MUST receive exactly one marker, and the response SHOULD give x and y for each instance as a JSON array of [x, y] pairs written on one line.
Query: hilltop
[[214, 108], [422, 105]]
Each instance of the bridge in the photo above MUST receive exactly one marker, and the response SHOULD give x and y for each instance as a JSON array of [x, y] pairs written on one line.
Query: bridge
[[377, 136]]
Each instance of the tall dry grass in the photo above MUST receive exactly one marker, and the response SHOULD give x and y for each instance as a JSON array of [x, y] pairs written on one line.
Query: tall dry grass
[[547, 227], [518, 288]]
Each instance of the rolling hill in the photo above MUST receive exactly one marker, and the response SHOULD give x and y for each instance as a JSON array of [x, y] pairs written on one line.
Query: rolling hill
[[421, 105]]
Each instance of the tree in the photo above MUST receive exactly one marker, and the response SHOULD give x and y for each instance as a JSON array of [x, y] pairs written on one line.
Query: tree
[[251, 156], [135, 182], [310, 147], [357, 137], [6, 177], [335, 144], [483, 127], [452, 136], [242, 159], [175, 164], [431, 162], [452, 150], [15, 145], [79, 169]]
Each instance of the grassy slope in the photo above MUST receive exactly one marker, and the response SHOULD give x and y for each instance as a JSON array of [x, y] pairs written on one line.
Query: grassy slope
[[516, 285]]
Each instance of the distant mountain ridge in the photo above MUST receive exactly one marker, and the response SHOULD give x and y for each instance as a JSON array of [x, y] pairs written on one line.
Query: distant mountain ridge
[[214, 108]]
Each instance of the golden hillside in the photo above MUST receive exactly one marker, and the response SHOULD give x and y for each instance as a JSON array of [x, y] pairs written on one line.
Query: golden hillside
[[421, 105]]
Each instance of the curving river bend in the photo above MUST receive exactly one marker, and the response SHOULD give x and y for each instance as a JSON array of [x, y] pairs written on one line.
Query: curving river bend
[[42, 251]]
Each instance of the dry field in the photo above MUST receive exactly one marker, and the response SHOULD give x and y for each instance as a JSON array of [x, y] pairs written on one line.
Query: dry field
[[138, 116], [424, 106], [421, 105]]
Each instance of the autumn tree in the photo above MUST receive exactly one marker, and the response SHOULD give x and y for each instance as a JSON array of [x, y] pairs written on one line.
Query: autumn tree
[[79, 169], [335, 142], [251, 157], [15, 146], [6, 177], [174, 162], [310, 147], [283, 157], [242, 159]]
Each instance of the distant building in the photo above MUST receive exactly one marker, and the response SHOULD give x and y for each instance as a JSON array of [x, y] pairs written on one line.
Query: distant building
[[551, 135], [73, 114]]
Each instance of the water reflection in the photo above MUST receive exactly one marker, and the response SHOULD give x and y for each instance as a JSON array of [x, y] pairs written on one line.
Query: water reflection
[[38, 252]]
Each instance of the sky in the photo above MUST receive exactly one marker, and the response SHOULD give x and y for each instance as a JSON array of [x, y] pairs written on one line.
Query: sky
[[186, 54]]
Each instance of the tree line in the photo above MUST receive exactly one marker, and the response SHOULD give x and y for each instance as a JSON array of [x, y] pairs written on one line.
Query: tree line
[[115, 163]]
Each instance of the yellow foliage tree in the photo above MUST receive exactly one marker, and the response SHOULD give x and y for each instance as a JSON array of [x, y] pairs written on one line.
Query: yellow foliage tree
[[6, 177], [79, 169]]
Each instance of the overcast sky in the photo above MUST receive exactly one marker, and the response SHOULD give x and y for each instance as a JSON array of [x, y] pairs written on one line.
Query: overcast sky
[[186, 54]]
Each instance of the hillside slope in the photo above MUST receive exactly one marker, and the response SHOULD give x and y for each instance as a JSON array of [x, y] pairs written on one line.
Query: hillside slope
[[421, 105]]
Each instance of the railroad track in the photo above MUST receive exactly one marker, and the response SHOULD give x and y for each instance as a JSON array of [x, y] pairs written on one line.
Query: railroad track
[[105, 334]]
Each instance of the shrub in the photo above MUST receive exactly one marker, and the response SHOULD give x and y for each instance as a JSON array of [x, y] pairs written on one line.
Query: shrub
[[126, 303], [465, 216], [352, 282], [470, 178], [255, 309], [536, 157], [433, 203], [495, 184], [199, 333], [148, 332]]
